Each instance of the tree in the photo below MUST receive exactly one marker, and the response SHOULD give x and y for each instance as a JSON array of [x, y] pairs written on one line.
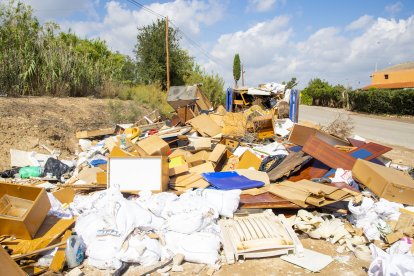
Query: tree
[[213, 84], [292, 83], [236, 68], [151, 56]]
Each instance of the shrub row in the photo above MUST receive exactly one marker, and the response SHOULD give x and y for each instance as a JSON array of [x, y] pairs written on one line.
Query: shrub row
[[400, 102]]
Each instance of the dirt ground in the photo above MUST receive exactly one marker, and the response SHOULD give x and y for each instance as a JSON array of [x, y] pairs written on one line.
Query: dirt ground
[[343, 264], [28, 122]]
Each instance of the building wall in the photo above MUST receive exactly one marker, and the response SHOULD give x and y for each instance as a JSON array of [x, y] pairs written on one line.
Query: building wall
[[393, 77]]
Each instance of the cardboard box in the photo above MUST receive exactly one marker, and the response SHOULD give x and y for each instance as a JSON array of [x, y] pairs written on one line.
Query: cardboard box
[[24, 219], [198, 158], [249, 160], [134, 174], [154, 146], [385, 182]]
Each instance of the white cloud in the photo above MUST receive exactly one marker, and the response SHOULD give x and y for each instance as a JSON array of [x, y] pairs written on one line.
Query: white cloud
[[395, 8], [119, 25], [263, 5], [269, 53], [363, 22]]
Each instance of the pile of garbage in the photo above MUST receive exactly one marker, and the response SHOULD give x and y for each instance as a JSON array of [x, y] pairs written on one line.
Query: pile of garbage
[[193, 189]]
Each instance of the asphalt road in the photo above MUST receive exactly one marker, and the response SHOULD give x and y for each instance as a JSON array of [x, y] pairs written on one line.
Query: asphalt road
[[387, 131]]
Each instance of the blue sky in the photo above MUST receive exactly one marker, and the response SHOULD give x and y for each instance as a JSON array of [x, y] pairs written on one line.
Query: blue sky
[[339, 41]]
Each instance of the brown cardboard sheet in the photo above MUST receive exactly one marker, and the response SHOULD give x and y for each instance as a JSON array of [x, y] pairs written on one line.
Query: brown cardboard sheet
[[205, 126]]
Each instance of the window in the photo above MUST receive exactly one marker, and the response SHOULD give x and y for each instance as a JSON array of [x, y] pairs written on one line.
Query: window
[[386, 76]]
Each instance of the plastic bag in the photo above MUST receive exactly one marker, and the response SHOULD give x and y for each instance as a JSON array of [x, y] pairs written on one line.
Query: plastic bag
[[198, 247], [56, 167], [385, 264], [225, 202], [30, 171]]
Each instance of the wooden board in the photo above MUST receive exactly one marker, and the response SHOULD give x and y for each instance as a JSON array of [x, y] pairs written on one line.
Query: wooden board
[[374, 148], [313, 169], [327, 154], [265, 200]]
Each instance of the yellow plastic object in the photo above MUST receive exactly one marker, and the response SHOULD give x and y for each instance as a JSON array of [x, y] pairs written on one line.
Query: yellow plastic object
[[132, 132], [176, 161]]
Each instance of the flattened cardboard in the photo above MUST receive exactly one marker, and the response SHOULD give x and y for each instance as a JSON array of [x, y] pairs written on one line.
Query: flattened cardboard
[[293, 195], [26, 226], [154, 146], [205, 167], [198, 158], [249, 160], [65, 195], [180, 152], [88, 176], [178, 169], [387, 183], [254, 175], [134, 174], [217, 153], [200, 143], [234, 124], [205, 126]]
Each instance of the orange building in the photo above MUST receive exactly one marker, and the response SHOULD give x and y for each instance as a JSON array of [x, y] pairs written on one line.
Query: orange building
[[394, 77]]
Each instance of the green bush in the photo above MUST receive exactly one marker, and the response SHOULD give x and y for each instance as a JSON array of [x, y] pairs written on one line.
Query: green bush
[[382, 101], [323, 94], [305, 98]]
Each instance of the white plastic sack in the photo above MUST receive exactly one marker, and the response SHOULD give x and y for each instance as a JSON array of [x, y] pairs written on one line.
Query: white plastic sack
[[102, 253], [198, 247], [57, 209], [155, 202], [225, 202], [385, 264], [140, 249]]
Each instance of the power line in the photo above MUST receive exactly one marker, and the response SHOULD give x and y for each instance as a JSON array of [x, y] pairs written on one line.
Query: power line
[[191, 41], [146, 8]]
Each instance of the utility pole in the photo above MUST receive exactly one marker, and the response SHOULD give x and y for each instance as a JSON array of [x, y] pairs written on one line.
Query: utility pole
[[166, 49], [242, 71]]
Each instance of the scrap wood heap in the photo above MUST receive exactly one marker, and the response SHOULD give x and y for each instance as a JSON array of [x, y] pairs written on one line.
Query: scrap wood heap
[[156, 194]]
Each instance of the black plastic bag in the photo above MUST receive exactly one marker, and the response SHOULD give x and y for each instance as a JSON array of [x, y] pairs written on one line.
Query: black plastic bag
[[9, 173], [56, 168]]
